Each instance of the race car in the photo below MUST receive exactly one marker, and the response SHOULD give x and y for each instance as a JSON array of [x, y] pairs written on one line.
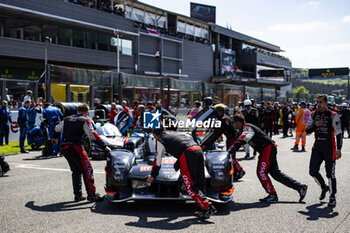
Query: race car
[[126, 176]]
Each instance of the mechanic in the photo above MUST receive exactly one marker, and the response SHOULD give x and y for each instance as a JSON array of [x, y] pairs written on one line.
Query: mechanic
[[286, 111], [301, 120], [112, 113], [74, 127], [190, 161], [268, 119], [5, 118], [267, 163], [22, 121], [208, 102], [251, 115], [231, 137], [344, 113], [32, 111], [326, 124], [52, 117], [4, 165], [277, 116]]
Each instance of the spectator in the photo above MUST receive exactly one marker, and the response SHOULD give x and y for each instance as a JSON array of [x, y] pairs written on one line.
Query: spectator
[[29, 96], [194, 111], [7, 97]]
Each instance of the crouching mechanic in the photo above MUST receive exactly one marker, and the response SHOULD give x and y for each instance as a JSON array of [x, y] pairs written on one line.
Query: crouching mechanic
[[190, 161], [267, 163], [74, 127]]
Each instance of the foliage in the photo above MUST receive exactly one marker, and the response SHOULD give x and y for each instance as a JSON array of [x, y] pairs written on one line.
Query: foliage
[[12, 147]]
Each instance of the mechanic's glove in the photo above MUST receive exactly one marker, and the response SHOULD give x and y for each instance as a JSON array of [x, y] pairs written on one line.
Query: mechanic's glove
[[177, 165], [232, 150], [106, 149]]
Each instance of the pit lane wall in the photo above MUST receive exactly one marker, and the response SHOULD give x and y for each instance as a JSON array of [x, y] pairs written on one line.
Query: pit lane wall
[[14, 128]]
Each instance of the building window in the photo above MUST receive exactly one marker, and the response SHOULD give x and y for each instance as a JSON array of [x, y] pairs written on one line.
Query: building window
[[91, 40], [49, 31], [103, 42], [14, 28], [32, 32], [79, 39], [127, 47], [65, 36]]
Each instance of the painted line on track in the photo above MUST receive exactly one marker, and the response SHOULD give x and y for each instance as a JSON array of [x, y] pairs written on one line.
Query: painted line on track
[[53, 169]]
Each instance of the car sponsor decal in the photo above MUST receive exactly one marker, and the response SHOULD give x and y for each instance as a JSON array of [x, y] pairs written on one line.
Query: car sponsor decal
[[145, 168]]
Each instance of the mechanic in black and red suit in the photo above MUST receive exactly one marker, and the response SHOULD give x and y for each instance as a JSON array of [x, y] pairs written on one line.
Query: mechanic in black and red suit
[[231, 136], [74, 127], [190, 161], [327, 126], [267, 163], [268, 119]]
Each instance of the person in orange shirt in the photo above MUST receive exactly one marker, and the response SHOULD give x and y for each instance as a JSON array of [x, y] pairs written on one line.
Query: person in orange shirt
[[301, 120]]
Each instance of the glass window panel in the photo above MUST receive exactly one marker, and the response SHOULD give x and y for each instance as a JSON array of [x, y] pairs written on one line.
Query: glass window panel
[[13, 28], [91, 40], [138, 15], [32, 32], [198, 32], [181, 27], [150, 18], [65, 36], [103, 42], [127, 47], [190, 29], [162, 22], [50, 31], [79, 39]]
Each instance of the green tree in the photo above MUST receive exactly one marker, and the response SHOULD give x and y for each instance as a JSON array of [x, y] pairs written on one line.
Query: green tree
[[300, 92]]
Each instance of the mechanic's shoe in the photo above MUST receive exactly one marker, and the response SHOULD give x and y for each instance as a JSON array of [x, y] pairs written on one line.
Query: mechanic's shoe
[[270, 198], [295, 148], [303, 149], [94, 197], [247, 156], [205, 214], [78, 198], [332, 202], [24, 151], [323, 193], [302, 192], [240, 174]]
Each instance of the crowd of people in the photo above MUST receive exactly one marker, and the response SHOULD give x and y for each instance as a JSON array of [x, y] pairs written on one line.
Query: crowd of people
[[252, 50], [103, 5]]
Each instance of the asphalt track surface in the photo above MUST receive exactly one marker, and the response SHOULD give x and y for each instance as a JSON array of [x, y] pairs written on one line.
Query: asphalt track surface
[[36, 196]]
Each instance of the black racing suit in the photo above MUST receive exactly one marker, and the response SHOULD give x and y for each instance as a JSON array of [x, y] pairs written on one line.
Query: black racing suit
[[267, 163], [251, 116], [4, 165], [325, 147], [231, 136], [345, 118], [268, 120], [286, 111], [191, 160], [277, 116], [74, 127]]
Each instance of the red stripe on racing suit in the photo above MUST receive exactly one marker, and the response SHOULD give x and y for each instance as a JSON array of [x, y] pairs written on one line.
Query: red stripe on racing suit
[[89, 177]]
